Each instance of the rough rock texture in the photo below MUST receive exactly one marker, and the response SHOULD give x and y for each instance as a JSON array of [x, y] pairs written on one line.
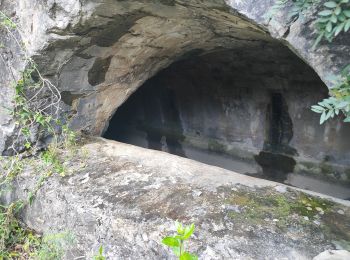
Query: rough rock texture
[[126, 198], [251, 105], [333, 255], [99, 52]]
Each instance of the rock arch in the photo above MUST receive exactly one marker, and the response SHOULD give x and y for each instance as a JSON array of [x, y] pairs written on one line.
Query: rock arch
[[99, 52], [151, 44], [240, 109]]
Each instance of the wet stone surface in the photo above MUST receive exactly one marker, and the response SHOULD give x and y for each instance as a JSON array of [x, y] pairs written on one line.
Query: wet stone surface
[[126, 198]]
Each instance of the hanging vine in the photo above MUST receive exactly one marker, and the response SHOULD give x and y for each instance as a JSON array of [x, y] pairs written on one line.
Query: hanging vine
[[36, 113]]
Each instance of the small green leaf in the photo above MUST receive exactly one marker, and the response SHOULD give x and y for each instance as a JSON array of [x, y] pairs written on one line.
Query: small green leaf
[[330, 4], [341, 17], [171, 241], [31, 197], [346, 13], [347, 26], [323, 20], [328, 115], [179, 227], [338, 29], [334, 19], [325, 13], [329, 27], [189, 231], [322, 118], [317, 109], [337, 10], [342, 104], [188, 256]]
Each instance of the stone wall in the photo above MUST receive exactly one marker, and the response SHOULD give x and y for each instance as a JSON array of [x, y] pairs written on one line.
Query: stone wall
[[238, 103]]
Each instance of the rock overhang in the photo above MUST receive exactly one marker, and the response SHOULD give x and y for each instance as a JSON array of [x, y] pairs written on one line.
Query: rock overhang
[[131, 41]]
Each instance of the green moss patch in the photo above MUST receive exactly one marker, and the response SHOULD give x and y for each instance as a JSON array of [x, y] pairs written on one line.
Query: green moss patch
[[262, 206]]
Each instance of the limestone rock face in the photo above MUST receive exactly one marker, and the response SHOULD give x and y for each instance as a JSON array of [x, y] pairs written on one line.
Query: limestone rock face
[[99, 52], [333, 255]]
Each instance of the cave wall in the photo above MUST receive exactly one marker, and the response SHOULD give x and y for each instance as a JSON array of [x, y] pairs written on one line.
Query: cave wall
[[237, 103], [98, 52]]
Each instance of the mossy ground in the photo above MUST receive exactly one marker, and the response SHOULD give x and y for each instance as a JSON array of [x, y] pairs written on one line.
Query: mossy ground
[[292, 209]]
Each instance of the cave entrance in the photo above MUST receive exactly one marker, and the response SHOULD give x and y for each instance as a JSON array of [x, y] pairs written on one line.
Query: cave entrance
[[245, 110]]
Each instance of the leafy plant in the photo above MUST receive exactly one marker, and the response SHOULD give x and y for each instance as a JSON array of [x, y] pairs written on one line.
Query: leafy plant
[[5, 21], [16, 242], [298, 7], [99, 256], [36, 106], [340, 99], [52, 247], [177, 242], [332, 20]]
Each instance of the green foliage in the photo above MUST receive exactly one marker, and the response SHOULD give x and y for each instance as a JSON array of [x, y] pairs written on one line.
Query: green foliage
[[333, 19], [52, 247], [99, 256], [36, 107], [51, 158], [6, 22], [10, 230], [36, 100], [177, 242], [16, 242], [298, 7], [28, 110], [340, 99]]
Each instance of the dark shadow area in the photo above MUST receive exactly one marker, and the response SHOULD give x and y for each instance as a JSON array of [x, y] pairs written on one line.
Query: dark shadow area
[[245, 110], [276, 159], [163, 131]]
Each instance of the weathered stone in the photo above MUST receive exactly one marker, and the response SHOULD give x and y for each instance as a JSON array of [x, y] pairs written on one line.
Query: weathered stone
[[66, 38], [247, 105], [126, 198], [333, 255]]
